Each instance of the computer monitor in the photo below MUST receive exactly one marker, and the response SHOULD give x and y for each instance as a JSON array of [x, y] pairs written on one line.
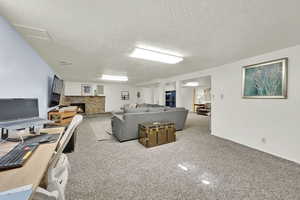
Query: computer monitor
[[18, 109]]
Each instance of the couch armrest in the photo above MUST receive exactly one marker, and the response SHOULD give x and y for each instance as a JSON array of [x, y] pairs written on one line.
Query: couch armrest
[[117, 126], [118, 116]]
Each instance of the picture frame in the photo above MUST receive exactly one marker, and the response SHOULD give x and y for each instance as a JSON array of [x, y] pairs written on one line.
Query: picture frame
[[266, 80], [86, 90], [124, 95]]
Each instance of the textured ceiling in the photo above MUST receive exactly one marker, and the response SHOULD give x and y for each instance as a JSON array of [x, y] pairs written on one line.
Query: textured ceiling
[[97, 36]]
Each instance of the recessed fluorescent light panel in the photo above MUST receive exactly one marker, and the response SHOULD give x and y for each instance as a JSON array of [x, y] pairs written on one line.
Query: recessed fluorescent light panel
[[114, 78], [158, 56], [191, 84]]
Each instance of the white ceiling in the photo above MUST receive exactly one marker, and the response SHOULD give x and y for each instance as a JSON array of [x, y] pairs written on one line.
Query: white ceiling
[[97, 36]]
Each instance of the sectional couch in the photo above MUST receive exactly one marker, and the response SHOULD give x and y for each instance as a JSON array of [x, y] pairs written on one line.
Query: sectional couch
[[125, 125]]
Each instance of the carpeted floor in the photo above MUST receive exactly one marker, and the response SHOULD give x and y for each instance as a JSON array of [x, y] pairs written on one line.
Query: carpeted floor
[[196, 166], [101, 126]]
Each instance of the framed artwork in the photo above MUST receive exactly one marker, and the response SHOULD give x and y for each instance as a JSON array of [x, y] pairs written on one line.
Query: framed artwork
[[86, 90], [267, 80], [124, 95]]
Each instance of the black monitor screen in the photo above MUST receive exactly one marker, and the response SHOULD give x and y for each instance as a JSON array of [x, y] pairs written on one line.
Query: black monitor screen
[[57, 85], [14, 109], [57, 88]]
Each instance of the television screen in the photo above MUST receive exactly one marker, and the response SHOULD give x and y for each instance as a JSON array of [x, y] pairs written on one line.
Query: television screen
[[56, 91]]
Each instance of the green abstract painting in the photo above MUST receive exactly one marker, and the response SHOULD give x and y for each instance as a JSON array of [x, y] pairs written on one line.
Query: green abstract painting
[[265, 80]]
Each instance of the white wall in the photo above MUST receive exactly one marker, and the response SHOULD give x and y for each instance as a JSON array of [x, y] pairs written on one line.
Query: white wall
[[112, 93], [152, 94], [23, 74], [113, 96], [204, 82], [247, 121], [73, 88], [146, 95], [170, 87], [187, 94], [156, 95]]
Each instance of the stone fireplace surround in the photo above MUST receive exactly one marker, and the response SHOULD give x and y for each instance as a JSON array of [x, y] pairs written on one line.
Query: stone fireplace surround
[[93, 104], [80, 107]]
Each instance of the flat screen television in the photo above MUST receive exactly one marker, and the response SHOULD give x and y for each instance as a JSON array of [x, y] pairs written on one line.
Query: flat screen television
[[56, 91]]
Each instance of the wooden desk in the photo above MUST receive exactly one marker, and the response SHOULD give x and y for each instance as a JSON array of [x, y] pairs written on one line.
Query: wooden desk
[[61, 118], [34, 169]]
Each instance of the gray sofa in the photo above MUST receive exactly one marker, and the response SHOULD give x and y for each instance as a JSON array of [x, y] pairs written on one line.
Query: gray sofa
[[125, 125]]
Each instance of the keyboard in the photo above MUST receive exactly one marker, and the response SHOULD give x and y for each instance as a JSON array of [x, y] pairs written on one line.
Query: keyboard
[[17, 156]]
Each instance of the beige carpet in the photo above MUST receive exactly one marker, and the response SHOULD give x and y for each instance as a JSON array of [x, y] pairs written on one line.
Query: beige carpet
[[101, 127], [196, 166]]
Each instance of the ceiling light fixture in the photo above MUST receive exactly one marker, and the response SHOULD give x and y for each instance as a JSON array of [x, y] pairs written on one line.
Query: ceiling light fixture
[[191, 84], [149, 54], [114, 78]]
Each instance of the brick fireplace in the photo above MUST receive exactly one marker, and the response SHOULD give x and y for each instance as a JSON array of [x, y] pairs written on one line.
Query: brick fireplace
[[92, 104], [80, 106]]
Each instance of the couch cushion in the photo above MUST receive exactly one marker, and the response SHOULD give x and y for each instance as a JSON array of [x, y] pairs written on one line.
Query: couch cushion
[[148, 105], [175, 109], [136, 110], [156, 109], [143, 105], [167, 108]]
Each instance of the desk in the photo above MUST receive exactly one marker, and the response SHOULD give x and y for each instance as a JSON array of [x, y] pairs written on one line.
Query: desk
[[34, 169]]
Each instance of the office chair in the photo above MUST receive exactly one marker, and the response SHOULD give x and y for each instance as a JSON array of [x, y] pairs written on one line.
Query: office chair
[[59, 167]]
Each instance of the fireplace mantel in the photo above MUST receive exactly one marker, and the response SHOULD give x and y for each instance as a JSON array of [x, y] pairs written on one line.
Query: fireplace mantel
[[93, 104]]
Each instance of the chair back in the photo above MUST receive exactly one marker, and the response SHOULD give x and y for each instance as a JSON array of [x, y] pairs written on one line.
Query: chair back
[[65, 138]]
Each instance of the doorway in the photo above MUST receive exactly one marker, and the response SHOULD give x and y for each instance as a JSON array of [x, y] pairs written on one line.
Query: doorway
[[171, 98], [200, 101]]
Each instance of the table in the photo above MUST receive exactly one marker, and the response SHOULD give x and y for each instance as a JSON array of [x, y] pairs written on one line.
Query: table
[[34, 169]]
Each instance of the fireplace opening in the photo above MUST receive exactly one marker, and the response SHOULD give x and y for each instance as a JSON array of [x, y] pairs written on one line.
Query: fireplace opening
[[80, 106]]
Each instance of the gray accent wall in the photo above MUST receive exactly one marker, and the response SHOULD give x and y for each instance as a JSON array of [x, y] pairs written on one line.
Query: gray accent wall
[[23, 73]]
